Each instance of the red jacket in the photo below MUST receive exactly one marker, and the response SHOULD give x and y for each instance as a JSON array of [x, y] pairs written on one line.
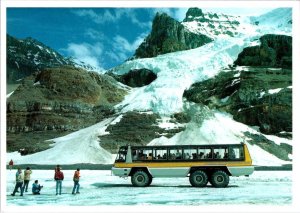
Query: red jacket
[[59, 175]]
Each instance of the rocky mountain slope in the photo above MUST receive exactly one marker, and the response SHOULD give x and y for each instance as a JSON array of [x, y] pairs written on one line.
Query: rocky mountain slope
[[26, 56], [258, 94], [60, 99]]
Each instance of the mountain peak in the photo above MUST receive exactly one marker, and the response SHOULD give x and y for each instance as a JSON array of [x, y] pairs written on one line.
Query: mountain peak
[[168, 35], [193, 12]]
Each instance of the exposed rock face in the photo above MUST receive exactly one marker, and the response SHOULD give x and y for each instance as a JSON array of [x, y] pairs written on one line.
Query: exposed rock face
[[212, 24], [61, 99], [192, 13], [136, 129], [136, 78], [27, 56], [274, 51], [281, 151], [169, 35], [258, 97]]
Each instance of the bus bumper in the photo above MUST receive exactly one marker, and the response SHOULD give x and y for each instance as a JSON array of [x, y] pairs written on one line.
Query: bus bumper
[[241, 170], [121, 172]]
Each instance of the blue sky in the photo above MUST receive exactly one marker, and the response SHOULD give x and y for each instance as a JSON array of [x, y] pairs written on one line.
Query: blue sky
[[102, 37]]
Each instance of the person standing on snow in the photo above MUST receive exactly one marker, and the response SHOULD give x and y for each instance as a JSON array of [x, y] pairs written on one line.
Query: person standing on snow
[[10, 164], [57, 166], [19, 182], [76, 181], [58, 177], [27, 174]]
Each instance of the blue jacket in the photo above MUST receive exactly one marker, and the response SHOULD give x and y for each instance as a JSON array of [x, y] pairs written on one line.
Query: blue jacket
[[36, 187]]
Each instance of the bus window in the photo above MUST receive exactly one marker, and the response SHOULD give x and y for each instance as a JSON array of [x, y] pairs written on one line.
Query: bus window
[[160, 154], [236, 153], [135, 154], [219, 153], [145, 154], [175, 153], [204, 153], [189, 153], [121, 156]]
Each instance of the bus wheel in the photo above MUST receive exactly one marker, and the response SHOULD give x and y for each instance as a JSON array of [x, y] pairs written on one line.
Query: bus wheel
[[198, 178], [140, 178], [150, 181], [219, 179]]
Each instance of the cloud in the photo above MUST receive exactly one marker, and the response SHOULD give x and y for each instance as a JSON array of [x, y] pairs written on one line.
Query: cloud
[[108, 16], [94, 34], [122, 48], [87, 53]]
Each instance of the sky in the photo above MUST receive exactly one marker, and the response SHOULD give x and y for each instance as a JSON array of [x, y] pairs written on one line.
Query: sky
[[101, 37]]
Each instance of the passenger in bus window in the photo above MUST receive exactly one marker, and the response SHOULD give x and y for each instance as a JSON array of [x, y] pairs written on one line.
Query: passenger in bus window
[[141, 155], [232, 154], [186, 155], [217, 155], [150, 156], [194, 155], [172, 156], [226, 154], [178, 154], [201, 155], [165, 156], [209, 155], [135, 155]]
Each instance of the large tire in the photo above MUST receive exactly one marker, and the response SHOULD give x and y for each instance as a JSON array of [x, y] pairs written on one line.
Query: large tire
[[140, 178], [150, 181], [219, 179], [198, 178]]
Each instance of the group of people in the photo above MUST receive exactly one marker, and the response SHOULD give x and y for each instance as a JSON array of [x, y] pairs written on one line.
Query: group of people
[[59, 177], [23, 179]]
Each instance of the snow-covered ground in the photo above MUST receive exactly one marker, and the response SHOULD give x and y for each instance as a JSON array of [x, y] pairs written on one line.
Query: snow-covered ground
[[79, 147], [100, 188]]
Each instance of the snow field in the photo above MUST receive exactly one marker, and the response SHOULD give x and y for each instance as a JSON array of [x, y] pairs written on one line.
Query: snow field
[[100, 188]]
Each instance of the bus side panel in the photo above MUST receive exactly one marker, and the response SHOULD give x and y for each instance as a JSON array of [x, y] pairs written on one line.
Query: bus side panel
[[121, 172], [241, 170], [169, 172]]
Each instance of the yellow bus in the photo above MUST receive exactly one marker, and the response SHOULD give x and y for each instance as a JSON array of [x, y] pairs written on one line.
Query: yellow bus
[[201, 163]]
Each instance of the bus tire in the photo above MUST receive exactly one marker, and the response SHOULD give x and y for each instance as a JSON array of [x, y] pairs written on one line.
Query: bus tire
[[150, 181], [140, 178], [198, 178], [219, 179]]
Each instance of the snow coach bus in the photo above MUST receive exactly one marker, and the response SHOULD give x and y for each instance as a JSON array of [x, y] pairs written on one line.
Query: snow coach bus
[[201, 163]]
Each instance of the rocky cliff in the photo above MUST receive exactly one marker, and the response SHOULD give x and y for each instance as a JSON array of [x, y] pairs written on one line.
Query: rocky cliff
[[274, 51], [61, 99], [168, 35], [136, 77], [257, 95]]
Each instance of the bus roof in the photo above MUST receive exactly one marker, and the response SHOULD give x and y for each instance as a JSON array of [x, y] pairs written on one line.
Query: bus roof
[[186, 146]]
